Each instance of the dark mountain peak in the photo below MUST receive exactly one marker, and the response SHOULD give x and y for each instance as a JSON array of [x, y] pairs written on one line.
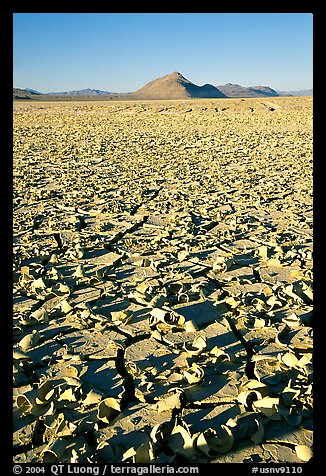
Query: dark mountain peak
[[32, 91], [176, 75]]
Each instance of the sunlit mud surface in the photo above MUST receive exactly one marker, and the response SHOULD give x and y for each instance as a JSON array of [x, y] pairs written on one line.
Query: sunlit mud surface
[[163, 281]]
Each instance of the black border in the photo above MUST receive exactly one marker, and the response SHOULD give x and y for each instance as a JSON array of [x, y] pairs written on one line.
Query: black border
[[7, 9]]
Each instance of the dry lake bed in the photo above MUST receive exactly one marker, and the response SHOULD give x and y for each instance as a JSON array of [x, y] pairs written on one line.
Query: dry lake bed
[[162, 301]]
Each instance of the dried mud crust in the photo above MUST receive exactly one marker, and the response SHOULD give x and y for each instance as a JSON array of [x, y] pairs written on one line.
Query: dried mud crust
[[163, 281]]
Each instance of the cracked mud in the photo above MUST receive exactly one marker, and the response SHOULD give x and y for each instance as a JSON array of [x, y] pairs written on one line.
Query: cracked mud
[[163, 281]]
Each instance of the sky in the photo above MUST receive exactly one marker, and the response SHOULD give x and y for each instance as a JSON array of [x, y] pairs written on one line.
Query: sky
[[120, 52]]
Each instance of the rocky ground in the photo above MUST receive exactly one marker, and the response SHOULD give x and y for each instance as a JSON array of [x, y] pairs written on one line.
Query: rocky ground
[[163, 281]]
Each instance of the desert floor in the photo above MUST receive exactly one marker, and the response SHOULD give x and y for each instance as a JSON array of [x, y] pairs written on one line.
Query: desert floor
[[163, 281]]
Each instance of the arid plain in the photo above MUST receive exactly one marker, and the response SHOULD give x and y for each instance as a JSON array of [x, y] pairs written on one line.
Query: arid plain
[[163, 281]]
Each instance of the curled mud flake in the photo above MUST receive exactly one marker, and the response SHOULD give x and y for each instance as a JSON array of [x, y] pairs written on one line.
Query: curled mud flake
[[80, 272], [288, 395], [132, 368], [268, 368], [261, 251], [190, 326], [289, 359], [200, 343], [259, 323], [60, 289], [304, 290], [180, 441], [268, 406], [38, 286], [65, 307], [65, 428], [202, 445], [30, 340], [219, 355], [194, 374], [247, 397], [26, 401], [258, 436], [182, 255], [253, 384], [273, 303], [67, 396], [45, 392], [93, 397], [292, 320], [214, 441], [304, 452], [160, 314], [108, 409], [53, 452], [167, 316], [197, 346], [17, 330], [141, 452], [120, 317], [20, 355], [306, 359], [222, 264], [40, 315]]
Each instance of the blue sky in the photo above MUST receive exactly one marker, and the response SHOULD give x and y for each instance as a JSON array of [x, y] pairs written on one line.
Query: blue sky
[[121, 52]]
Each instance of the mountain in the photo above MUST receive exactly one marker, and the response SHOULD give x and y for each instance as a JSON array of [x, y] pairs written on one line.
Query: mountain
[[19, 93], [88, 93], [171, 86], [302, 92], [238, 91], [32, 91], [264, 91], [25, 91], [82, 92], [175, 86]]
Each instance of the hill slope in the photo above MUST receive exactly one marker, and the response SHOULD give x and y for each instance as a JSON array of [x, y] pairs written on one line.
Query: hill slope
[[19, 93], [176, 86]]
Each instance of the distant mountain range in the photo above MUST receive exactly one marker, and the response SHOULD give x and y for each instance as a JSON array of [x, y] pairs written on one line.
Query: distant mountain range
[[83, 92], [237, 91], [171, 86], [302, 92]]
